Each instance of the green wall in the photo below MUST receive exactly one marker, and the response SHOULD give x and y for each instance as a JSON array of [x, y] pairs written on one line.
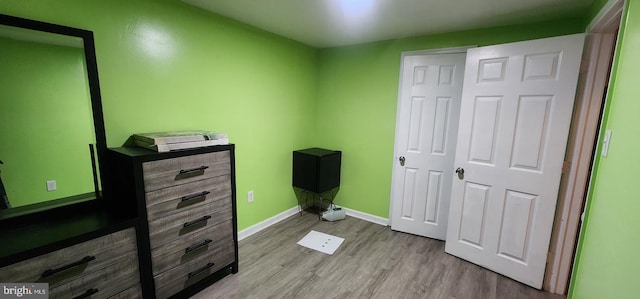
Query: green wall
[[357, 98], [164, 65], [607, 261], [46, 122]]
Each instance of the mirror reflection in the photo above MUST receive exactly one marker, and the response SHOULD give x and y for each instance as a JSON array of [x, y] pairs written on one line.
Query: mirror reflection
[[46, 122]]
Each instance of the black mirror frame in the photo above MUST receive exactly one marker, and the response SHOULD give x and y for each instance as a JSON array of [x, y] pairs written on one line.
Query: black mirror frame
[[96, 107]]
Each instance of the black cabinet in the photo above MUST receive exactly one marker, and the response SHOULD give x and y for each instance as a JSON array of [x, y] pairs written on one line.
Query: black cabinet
[[316, 170]]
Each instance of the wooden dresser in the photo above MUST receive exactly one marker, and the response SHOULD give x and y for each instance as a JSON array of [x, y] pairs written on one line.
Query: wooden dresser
[[105, 266], [186, 204]]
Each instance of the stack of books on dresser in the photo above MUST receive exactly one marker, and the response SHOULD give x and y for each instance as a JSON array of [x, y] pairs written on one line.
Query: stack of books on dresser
[[178, 140]]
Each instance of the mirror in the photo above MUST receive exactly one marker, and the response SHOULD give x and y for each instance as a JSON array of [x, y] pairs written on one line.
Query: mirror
[[51, 117]]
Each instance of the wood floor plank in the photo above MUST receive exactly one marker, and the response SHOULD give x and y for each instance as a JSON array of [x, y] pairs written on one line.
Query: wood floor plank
[[372, 262]]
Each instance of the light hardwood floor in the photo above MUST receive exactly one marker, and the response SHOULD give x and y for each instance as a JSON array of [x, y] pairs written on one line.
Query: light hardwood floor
[[373, 262]]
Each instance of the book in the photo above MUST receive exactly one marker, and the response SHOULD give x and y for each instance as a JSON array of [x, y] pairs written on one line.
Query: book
[[171, 137], [161, 148]]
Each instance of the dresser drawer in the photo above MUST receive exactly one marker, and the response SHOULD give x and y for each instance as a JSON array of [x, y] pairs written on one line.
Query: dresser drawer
[[134, 292], [103, 283], [172, 227], [171, 172], [176, 279], [163, 202], [64, 265], [190, 247]]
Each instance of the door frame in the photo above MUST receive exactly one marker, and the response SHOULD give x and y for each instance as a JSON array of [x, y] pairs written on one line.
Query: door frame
[[452, 50], [590, 102]]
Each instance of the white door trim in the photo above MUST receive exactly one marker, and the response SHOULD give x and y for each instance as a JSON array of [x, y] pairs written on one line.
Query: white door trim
[[608, 18], [453, 50], [578, 161], [580, 152]]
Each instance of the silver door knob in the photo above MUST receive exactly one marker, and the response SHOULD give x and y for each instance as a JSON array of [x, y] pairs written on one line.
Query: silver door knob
[[460, 172], [401, 161]]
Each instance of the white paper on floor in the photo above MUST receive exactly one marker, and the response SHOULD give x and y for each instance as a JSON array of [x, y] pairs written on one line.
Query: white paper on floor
[[321, 242]]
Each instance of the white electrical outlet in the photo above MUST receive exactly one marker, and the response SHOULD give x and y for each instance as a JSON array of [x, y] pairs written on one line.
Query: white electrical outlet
[[250, 196], [51, 185]]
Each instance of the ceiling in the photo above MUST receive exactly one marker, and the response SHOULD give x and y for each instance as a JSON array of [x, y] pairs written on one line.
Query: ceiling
[[331, 23]]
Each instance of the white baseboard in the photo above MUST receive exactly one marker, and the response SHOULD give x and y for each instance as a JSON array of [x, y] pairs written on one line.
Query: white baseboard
[[243, 234], [266, 223], [367, 217]]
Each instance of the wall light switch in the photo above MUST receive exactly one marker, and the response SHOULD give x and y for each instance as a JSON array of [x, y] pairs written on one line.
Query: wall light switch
[[605, 143], [250, 196]]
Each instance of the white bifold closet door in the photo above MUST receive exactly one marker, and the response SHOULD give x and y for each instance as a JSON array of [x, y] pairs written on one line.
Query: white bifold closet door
[[514, 122], [428, 107]]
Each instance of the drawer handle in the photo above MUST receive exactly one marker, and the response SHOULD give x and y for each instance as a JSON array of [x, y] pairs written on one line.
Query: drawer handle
[[194, 196], [201, 168], [205, 268], [194, 222], [86, 294], [83, 261], [194, 247]]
